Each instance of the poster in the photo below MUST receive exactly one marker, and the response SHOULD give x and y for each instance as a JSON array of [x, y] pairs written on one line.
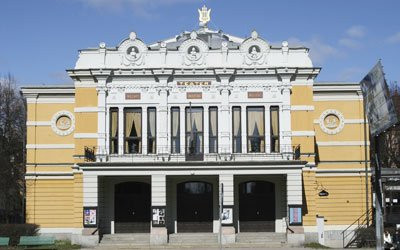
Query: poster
[[295, 215], [227, 216], [158, 217], [90, 216]]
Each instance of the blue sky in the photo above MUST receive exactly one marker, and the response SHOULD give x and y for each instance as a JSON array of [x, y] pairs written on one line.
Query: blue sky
[[40, 39]]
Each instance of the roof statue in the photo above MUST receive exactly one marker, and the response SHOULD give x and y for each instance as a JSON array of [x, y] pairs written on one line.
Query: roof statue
[[204, 16]]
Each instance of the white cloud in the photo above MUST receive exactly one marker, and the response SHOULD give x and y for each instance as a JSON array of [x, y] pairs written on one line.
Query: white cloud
[[394, 38], [350, 43], [356, 31], [319, 50]]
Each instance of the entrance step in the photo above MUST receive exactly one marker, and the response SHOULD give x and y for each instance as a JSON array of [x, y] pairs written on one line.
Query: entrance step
[[261, 237], [125, 239], [193, 239]]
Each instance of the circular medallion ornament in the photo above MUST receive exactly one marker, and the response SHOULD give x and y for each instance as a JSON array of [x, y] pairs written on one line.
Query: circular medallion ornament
[[63, 123], [331, 121]]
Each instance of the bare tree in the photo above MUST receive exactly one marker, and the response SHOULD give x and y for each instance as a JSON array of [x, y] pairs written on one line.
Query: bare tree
[[12, 153]]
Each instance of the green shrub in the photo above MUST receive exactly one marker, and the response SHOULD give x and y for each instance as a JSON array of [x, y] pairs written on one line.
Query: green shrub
[[14, 231]]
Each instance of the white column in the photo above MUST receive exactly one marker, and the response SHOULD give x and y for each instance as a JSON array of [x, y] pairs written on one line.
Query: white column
[[267, 129], [294, 190], [90, 190], [228, 230], [225, 121], [285, 122], [144, 130], [158, 206], [101, 119], [206, 130], [121, 131], [182, 128], [227, 181], [162, 119], [244, 128], [158, 190]]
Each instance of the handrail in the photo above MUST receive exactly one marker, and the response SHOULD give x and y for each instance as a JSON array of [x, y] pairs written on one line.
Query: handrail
[[287, 225], [344, 236]]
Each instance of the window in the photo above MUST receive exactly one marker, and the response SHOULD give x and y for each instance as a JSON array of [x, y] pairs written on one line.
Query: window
[[175, 131], [194, 131], [114, 131], [255, 130], [274, 129], [133, 130], [151, 130], [213, 130], [237, 130]]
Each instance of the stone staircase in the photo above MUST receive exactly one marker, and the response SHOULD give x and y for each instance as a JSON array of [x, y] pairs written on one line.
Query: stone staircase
[[135, 240], [185, 240], [270, 240], [200, 239]]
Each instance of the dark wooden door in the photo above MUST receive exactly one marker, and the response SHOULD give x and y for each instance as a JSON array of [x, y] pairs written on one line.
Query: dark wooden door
[[132, 207], [195, 207], [257, 206]]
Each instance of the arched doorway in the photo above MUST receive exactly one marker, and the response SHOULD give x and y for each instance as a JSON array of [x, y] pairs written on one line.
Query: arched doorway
[[195, 206], [257, 206], [132, 207]]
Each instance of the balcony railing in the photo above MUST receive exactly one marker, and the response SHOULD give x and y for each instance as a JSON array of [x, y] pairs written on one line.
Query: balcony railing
[[164, 154], [101, 154]]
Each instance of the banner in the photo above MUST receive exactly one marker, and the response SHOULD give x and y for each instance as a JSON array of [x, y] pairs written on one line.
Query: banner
[[377, 102]]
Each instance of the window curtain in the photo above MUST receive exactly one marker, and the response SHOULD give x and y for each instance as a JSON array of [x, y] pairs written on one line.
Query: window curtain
[[213, 122], [128, 123], [175, 123], [236, 122], [151, 142], [152, 123], [114, 124], [275, 130]]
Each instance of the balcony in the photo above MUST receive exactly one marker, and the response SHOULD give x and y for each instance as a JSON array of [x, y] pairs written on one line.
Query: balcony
[[101, 154]]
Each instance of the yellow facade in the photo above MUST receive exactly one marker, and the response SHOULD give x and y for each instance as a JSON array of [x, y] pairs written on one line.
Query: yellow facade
[[335, 162]]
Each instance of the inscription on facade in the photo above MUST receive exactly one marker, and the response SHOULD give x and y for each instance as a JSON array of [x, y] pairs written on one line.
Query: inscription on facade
[[194, 95], [194, 83], [132, 96], [257, 94]]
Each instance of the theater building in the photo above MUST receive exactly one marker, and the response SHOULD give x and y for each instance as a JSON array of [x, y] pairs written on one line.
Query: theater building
[[157, 138]]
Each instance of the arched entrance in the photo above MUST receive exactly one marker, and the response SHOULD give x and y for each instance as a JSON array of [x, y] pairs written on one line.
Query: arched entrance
[[132, 207], [257, 206], [195, 207]]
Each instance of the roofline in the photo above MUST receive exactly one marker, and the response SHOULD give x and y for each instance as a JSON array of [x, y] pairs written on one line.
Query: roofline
[[32, 91]]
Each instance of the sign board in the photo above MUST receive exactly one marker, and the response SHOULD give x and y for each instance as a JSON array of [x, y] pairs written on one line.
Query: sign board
[[258, 94], [194, 95], [132, 96], [377, 102], [227, 216], [295, 215], [90, 216], [158, 216], [194, 83]]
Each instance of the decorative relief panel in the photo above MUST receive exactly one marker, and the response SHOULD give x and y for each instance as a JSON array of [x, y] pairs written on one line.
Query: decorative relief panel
[[254, 50], [331, 121], [63, 123], [194, 51], [133, 51]]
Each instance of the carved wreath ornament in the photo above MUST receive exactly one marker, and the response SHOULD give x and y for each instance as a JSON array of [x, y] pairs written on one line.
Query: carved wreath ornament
[[331, 121], [63, 123]]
